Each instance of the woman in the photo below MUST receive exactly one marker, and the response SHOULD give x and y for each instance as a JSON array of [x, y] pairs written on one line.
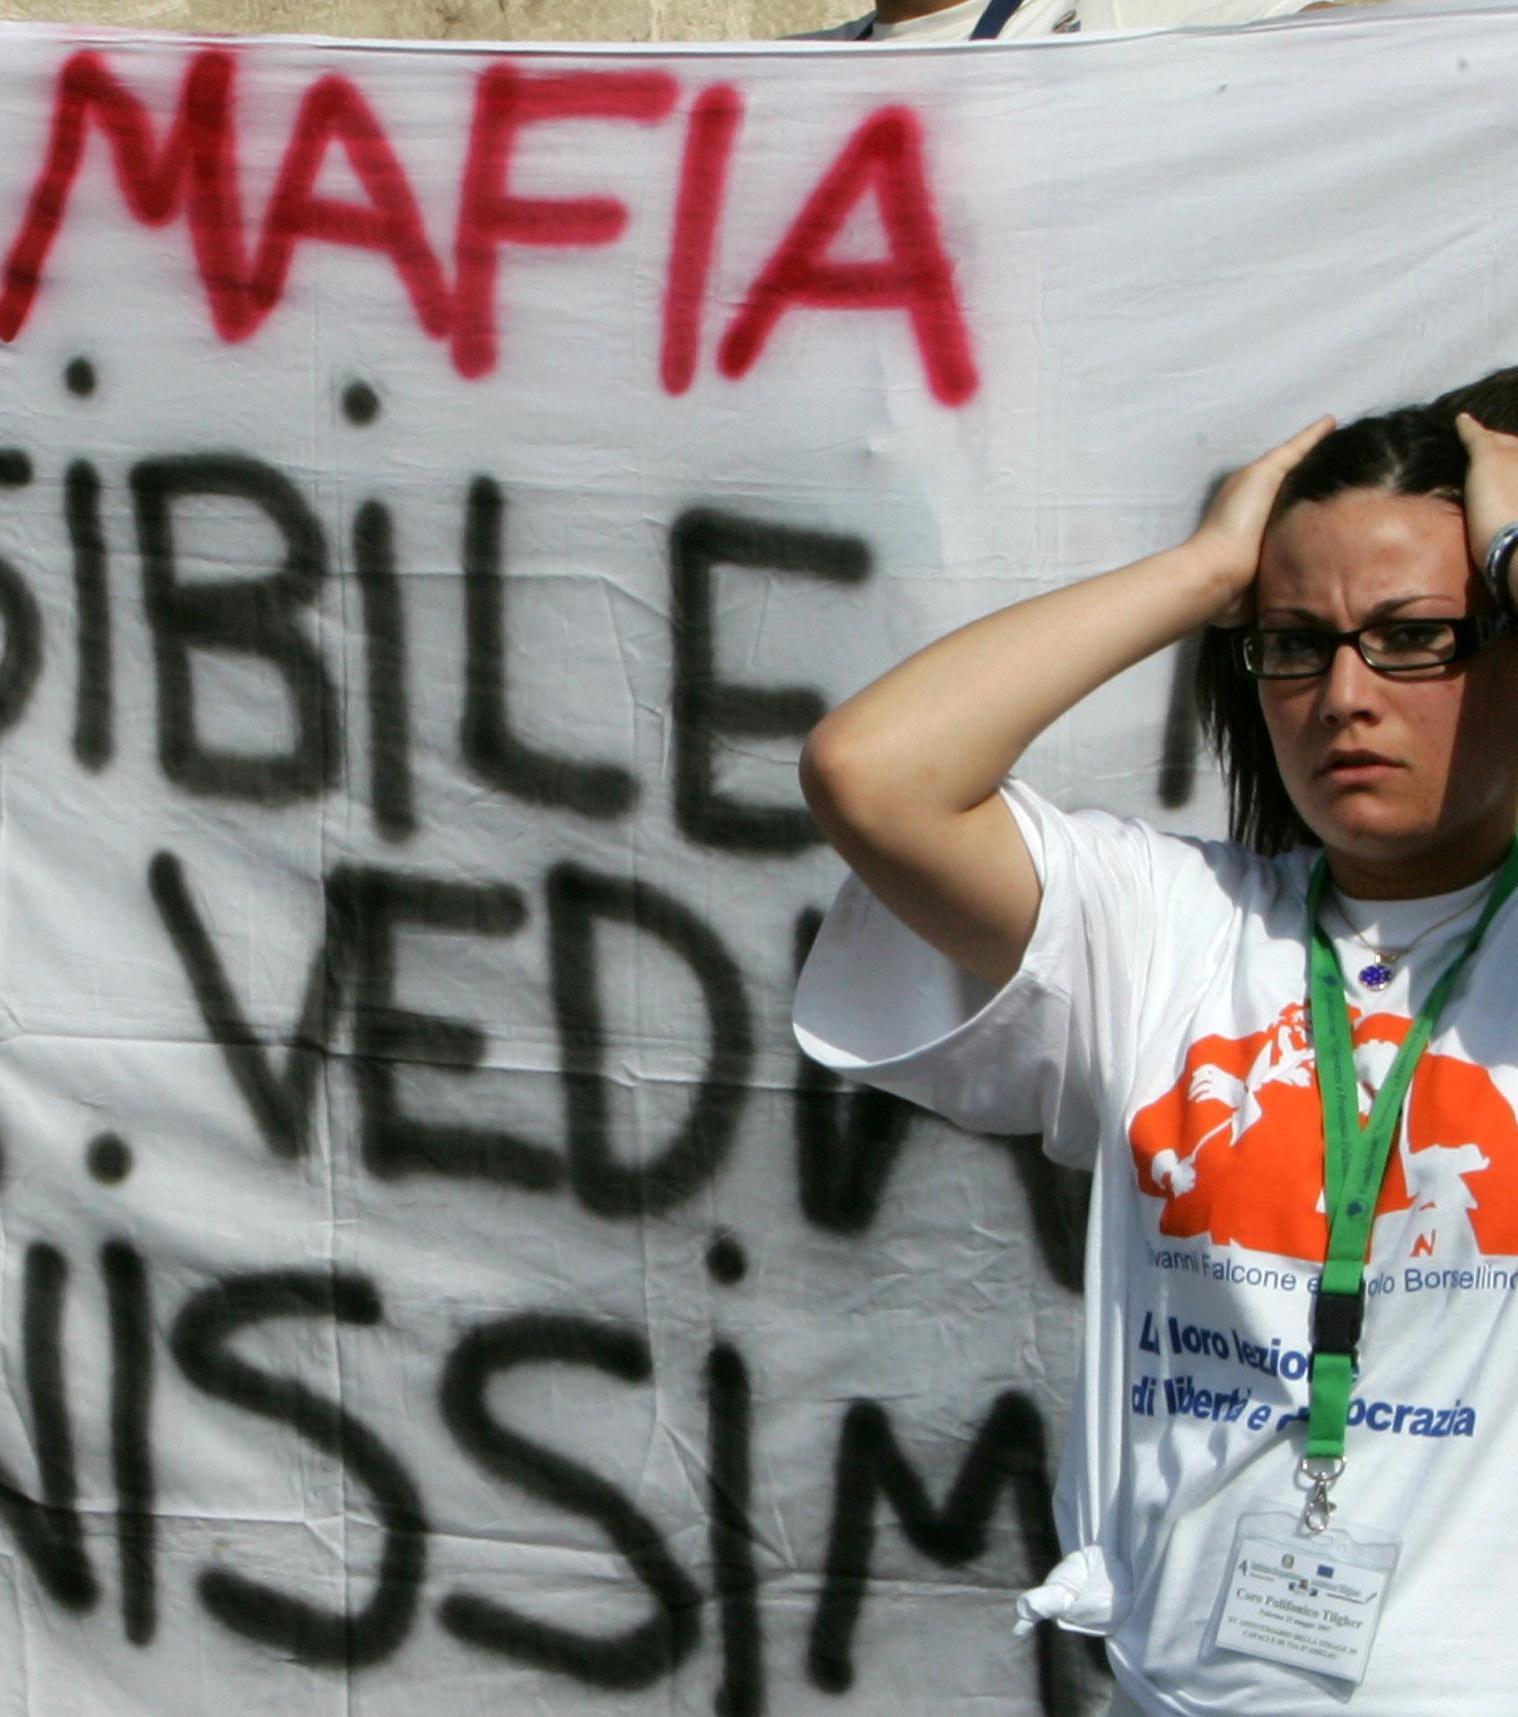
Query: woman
[[1153, 1006]]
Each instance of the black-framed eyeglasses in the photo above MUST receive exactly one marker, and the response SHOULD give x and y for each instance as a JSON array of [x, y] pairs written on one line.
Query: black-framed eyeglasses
[[1390, 646]]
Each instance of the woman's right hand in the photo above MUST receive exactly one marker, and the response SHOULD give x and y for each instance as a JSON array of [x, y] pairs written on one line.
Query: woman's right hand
[[1233, 527]]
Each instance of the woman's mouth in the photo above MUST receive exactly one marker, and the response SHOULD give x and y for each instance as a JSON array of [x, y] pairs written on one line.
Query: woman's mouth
[[1356, 765]]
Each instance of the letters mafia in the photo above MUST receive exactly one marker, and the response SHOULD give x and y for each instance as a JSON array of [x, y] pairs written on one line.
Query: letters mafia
[[187, 165]]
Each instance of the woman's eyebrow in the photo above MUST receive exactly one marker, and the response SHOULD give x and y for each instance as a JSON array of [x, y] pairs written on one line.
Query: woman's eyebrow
[[1293, 616], [1285, 614]]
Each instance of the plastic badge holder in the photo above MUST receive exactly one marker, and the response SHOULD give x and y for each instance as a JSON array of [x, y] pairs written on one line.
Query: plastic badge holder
[[1311, 1601]]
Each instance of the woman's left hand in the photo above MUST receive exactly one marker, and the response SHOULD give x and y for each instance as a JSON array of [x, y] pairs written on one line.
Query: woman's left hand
[[1491, 484]]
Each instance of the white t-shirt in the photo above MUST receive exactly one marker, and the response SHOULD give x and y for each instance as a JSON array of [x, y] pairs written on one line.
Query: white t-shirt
[[1050, 17], [957, 24], [1157, 1033]]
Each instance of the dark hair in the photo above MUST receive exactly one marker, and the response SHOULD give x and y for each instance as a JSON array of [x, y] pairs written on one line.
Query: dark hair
[[1411, 451], [1492, 401]]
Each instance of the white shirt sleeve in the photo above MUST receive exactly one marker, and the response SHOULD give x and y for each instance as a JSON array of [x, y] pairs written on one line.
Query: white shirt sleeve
[[1042, 1054]]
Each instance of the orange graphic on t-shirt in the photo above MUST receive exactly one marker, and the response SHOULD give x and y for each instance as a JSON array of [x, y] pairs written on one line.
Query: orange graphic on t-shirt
[[1235, 1148]]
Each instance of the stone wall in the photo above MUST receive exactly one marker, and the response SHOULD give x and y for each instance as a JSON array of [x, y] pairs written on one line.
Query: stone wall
[[461, 20]]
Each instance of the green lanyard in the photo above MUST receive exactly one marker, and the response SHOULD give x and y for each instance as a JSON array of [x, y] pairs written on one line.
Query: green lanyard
[[1354, 1163]]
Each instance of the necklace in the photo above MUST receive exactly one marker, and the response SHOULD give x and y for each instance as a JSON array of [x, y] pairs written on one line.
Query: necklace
[[1379, 973]]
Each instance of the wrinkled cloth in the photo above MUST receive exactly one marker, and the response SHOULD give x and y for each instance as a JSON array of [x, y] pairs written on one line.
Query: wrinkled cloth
[[1080, 1594]]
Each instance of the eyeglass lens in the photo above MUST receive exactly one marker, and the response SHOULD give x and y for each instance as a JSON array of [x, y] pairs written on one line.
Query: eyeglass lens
[[1400, 645]]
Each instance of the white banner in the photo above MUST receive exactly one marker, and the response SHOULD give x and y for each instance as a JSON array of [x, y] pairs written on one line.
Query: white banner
[[438, 489]]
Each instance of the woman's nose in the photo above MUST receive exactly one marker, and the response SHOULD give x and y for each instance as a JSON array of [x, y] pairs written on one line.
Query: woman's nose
[[1350, 690]]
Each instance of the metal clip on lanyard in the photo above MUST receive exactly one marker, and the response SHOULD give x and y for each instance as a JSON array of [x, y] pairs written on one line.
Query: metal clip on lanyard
[[1354, 1164]]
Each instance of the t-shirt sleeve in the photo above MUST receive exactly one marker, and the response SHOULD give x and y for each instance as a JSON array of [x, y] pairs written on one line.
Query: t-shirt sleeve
[[1041, 1054]]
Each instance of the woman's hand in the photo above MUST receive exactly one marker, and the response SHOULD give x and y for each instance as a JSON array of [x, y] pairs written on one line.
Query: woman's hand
[[903, 778], [1491, 485], [1233, 526]]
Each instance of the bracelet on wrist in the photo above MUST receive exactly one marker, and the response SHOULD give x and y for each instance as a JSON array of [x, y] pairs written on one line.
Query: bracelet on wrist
[[1499, 558]]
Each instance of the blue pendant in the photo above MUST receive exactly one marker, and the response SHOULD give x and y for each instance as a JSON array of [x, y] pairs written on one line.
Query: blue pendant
[[1376, 976]]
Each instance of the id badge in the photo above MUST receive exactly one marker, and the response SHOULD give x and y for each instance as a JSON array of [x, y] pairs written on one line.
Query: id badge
[[1311, 1601]]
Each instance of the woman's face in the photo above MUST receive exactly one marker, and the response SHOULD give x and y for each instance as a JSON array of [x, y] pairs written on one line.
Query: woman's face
[[1411, 783]]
